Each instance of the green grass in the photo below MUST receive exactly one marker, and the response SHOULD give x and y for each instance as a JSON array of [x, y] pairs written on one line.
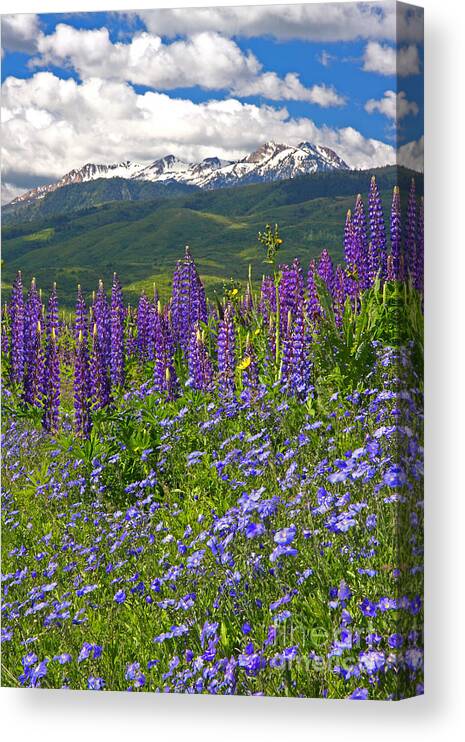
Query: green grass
[[43, 236]]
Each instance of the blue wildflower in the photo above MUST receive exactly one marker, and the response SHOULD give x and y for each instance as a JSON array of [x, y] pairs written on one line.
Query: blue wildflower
[[285, 536]]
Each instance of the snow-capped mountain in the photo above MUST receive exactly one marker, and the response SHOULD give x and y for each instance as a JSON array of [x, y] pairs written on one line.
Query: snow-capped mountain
[[83, 175], [269, 162]]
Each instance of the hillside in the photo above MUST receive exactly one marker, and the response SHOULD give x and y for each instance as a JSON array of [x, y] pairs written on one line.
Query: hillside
[[78, 196], [143, 239]]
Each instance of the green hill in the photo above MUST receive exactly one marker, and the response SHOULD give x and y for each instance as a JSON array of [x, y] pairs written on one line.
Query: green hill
[[142, 239], [78, 196]]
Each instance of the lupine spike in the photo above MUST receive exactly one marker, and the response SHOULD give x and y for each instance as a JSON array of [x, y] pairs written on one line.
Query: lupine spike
[[295, 371], [143, 327], [35, 368], [117, 333], [16, 310], [377, 233], [350, 254], [51, 385], [340, 293], [102, 318], [189, 304], [99, 381], [52, 312], [313, 302], [226, 353], [291, 291], [411, 233], [199, 364], [32, 315], [326, 270], [82, 392], [395, 264], [420, 250], [361, 244], [81, 321]]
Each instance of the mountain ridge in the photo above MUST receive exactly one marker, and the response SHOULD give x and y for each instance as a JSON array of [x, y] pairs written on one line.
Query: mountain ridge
[[271, 161]]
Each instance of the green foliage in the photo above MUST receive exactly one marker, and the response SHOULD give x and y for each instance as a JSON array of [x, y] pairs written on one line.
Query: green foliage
[[271, 241], [391, 315]]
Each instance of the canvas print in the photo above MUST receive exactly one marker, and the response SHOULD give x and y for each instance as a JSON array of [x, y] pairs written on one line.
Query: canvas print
[[212, 351]]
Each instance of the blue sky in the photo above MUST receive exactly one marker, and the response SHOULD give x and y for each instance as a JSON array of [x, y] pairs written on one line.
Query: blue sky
[[111, 86]]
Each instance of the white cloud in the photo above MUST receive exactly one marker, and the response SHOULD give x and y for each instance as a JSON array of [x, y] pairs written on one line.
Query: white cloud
[[66, 124], [206, 59], [389, 60], [312, 22], [20, 32], [395, 107], [270, 86]]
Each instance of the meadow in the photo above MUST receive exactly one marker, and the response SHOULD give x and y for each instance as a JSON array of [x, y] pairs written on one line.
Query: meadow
[[222, 496]]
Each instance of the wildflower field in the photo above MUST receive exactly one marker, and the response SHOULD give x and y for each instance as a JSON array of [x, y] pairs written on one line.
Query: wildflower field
[[222, 496]]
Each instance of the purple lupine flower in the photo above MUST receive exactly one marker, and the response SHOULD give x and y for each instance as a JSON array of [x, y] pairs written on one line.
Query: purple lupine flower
[[350, 255], [395, 272], [35, 367], [168, 331], [189, 304], [165, 378], [130, 332], [81, 322], [198, 360], [171, 380], [143, 326], [99, 381], [160, 353], [16, 310], [33, 353], [157, 324], [52, 322], [339, 294], [101, 315], [349, 244], [32, 315], [326, 270], [82, 393], [377, 251], [51, 385], [411, 233], [295, 371], [361, 243], [313, 302], [420, 249], [226, 353], [291, 292], [117, 333]]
